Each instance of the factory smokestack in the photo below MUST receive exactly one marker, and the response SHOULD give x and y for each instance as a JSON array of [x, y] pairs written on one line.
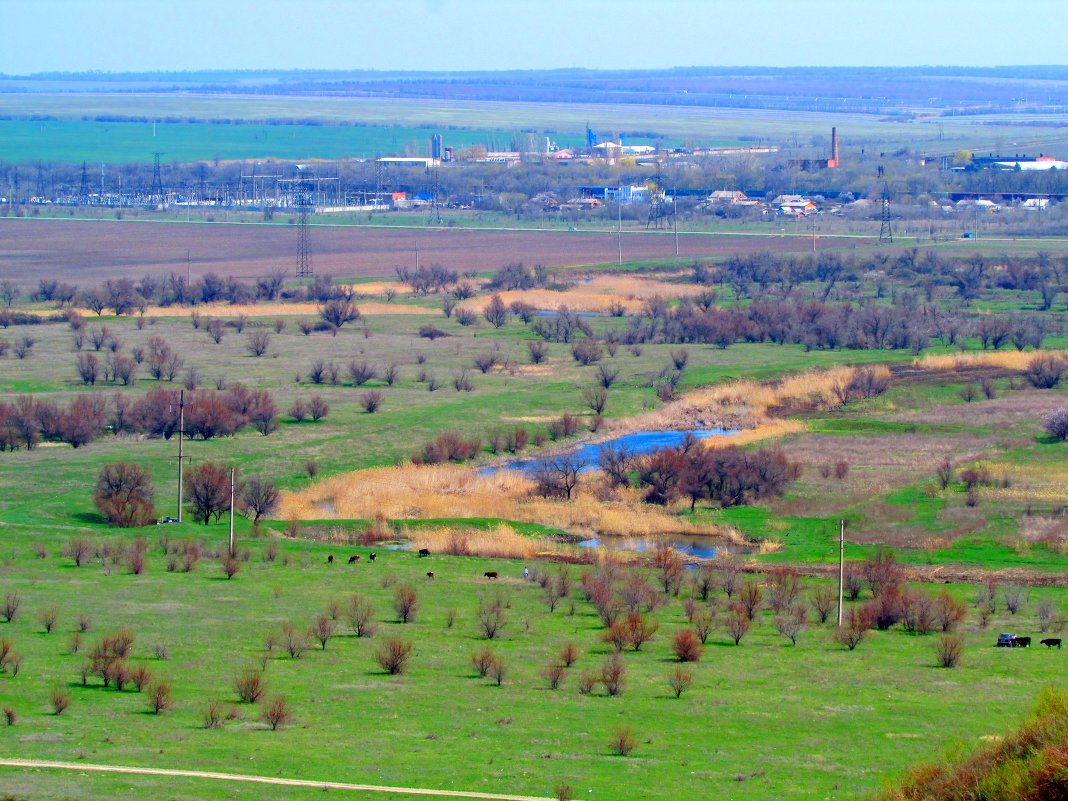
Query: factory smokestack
[[834, 149]]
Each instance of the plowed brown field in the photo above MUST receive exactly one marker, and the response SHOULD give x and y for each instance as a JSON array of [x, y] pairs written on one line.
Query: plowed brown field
[[88, 252]]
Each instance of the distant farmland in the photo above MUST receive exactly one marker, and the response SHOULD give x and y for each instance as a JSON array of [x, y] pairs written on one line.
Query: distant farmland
[[89, 252], [96, 142]]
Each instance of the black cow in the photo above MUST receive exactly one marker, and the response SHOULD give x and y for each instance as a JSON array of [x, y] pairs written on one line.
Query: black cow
[[1052, 642], [330, 559], [490, 574], [424, 552], [430, 574], [373, 556], [354, 558], [1021, 642]]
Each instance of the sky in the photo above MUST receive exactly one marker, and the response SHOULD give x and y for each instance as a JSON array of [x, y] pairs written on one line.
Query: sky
[[147, 35]]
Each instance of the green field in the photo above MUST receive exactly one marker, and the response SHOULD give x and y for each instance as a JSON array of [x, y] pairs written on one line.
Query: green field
[[842, 722], [762, 719], [703, 126]]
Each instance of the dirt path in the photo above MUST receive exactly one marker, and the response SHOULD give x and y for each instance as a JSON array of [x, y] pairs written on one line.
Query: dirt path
[[237, 777]]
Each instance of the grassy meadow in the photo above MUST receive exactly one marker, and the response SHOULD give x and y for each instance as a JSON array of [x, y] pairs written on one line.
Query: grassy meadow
[[843, 722], [762, 719]]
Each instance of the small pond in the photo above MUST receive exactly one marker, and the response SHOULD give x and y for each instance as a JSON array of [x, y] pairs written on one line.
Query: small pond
[[639, 442], [696, 547]]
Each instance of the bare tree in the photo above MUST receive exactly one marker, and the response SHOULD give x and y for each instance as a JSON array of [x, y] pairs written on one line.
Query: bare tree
[[258, 341], [258, 497], [558, 477], [338, 311], [124, 494]]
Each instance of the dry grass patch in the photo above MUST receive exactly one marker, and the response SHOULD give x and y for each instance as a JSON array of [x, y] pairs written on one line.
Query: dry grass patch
[[457, 491], [747, 404], [1005, 359], [501, 542], [595, 294]]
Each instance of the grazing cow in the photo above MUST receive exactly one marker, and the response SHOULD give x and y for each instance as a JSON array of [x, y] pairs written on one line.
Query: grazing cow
[[354, 558], [1052, 642], [373, 556], [330, 559], [1021, 642], [424, 552], [490, 574], [430, 574]]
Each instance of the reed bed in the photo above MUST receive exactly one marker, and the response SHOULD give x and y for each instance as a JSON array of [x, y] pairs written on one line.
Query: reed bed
[[1005, 359], [501, 542], [457, 491], [746, 404], [597, 294]]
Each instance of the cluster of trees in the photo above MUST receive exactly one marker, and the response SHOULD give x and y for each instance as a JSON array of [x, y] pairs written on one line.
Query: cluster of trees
[[726, 476], [816, 324], [124, 296], [28, 420], [125, 496]]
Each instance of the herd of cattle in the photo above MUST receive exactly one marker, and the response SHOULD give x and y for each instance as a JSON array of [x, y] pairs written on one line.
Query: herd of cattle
[[1012, 641], [490, 574]]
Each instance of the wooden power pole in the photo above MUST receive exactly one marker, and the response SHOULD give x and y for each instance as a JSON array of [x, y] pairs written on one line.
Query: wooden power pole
[[841, 571], [181, 433], [233, 472]]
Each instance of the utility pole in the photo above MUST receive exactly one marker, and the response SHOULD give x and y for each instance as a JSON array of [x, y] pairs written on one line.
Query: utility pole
[[233, 472], [841, 571], [181, 434], [675, 216]]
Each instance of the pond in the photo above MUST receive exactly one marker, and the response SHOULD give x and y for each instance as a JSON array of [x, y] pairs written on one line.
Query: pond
[[696, 547], [637, 443]]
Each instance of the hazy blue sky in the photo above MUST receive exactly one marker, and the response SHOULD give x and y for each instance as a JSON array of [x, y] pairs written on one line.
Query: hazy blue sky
[[120, 35]]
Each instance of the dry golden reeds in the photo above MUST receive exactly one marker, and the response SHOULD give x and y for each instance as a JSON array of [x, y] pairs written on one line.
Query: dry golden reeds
[[456, 491], [1006, 359], [501, 542]]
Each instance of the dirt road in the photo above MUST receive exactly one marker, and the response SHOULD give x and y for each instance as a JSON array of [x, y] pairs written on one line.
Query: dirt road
[[82, 767]]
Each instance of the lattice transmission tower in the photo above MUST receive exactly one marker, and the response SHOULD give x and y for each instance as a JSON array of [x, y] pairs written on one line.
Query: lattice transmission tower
[[886, 230]]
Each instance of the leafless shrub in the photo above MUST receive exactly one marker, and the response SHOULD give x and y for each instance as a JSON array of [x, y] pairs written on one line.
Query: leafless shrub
[[853, 629], [680, 680], [538, 350], [737, 624], [10, 716], [84, 623], [78, 549], [554, 675], [294, 641], [587, 682], [212, 716], [323, 629], [393, 655], [790, 623], [613, 675], [250, 685], [491, 619], [277, 712], [361, 616], [569, 654], [823, 601], [623, 741], [949, 649], [60, 699], [48, 617], [1014, 597], [406, 603], [371, 401], [686, 645], [11, 607]]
